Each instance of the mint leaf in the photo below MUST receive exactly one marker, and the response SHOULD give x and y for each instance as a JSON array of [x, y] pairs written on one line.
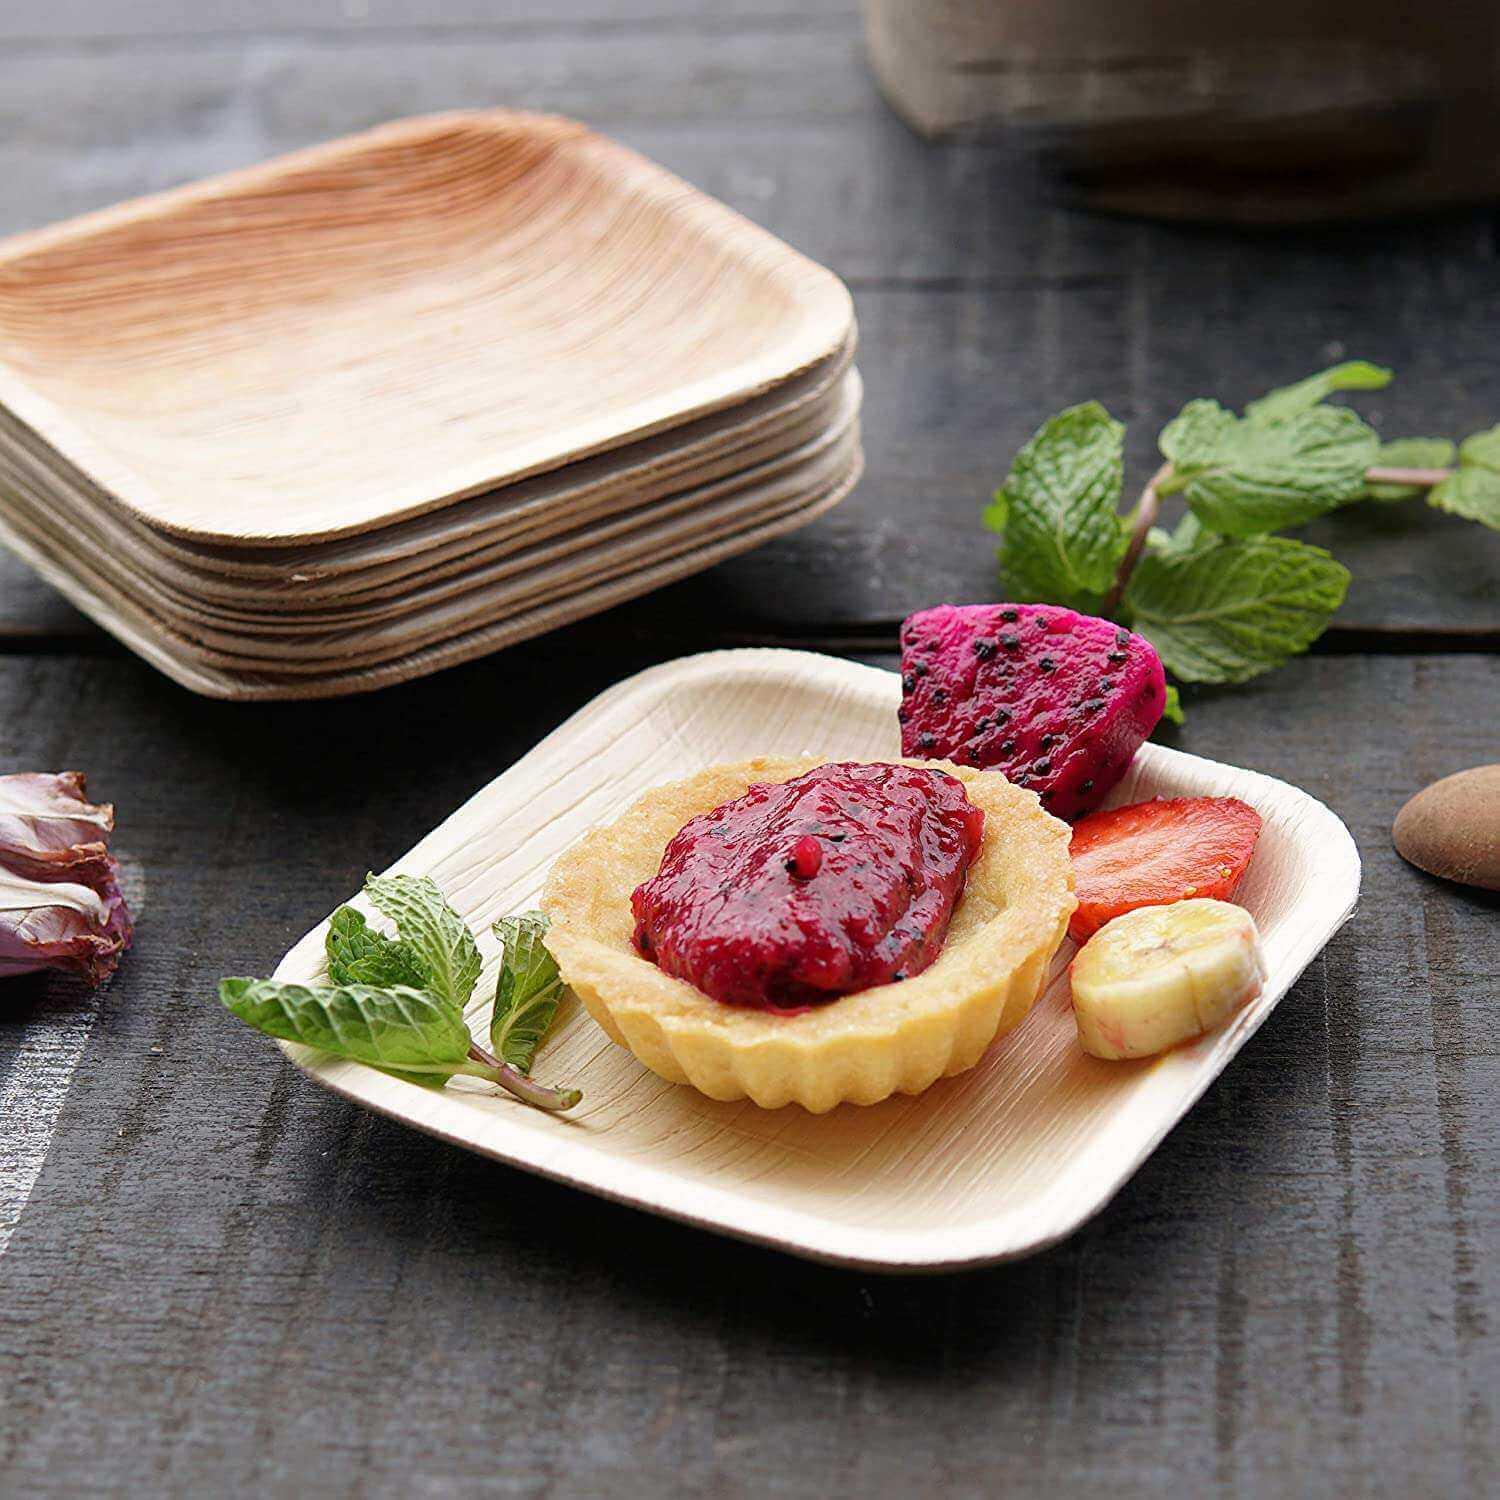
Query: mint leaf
[[1195, 438], [1474, 491], [1063, 538], [1173, 713], [1291, 400], [1226, 611], [1242, 479], [996, 513], [527, 992], [1473, 494], [1409, 453], [432, 930], [357, 954], [397, 1029], [1482, 449]]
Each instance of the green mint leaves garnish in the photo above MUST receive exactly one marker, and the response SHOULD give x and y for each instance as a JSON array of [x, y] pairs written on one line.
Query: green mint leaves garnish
[[1057, 510], [357, 954], [397, 1003], [1220, 597], [1226, 611], [528, 991], [1241, 478], [432, 930], [1409, 453], [399, 1029]]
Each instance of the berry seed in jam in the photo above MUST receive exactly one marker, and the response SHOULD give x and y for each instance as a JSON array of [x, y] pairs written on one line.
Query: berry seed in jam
[[806, 858]]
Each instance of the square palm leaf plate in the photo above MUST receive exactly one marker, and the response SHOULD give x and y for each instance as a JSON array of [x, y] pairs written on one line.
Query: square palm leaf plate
[[986, 1166]]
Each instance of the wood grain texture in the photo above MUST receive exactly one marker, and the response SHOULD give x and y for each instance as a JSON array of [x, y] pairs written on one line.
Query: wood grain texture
[[247, 677], [577, 497], [556, 541], [228, 1280], [441, 544]]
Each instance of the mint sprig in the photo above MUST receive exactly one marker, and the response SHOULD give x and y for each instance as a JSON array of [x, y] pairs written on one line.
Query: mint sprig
[[1473, 492], [432, 930], [357, 954], [1292, 400], [1064, 540], [397, 1003], [397, 1029], [1408, 454], [1221, 597]]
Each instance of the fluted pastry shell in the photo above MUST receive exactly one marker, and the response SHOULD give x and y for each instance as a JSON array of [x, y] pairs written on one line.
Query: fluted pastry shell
[[860, 1048]]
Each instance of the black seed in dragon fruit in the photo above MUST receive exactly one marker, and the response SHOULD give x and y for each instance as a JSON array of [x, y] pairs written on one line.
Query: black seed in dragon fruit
[[1058, 701]]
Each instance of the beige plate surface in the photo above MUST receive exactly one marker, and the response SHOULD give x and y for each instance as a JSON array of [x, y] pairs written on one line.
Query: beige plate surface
[[373, 328], [179, 599], [993, 1164]]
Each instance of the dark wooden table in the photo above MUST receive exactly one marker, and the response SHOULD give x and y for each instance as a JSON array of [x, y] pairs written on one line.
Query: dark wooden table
[[217, 1279]]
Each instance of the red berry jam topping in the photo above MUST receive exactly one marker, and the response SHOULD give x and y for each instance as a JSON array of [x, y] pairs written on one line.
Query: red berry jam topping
[[801, 891]]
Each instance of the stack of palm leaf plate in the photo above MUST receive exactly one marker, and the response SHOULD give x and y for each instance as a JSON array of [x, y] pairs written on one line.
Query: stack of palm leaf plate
[[391, 403]]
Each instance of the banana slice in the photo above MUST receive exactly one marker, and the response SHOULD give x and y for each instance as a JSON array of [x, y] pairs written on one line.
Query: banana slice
[[1161, 975]]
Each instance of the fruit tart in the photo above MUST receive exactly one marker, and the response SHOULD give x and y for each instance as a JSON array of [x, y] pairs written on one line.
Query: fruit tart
[[813, 931]]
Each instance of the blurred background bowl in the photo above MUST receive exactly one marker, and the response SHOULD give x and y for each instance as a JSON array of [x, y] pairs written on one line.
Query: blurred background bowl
[[1285, 111]]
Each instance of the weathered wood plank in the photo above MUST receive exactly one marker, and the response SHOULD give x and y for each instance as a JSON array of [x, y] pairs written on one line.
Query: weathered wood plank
[[31, 611], [226, 1280]]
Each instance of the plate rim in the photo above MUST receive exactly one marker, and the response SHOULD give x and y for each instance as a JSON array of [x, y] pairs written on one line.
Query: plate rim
[[858, 1247]]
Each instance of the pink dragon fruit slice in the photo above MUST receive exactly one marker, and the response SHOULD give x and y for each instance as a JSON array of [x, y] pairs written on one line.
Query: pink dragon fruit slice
[[1058, 701]]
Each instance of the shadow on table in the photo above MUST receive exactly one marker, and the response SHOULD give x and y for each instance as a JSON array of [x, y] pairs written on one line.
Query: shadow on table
[[452, 1213]]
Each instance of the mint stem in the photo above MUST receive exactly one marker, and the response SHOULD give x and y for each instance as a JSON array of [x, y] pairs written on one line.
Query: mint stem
[[1424, 477], [1142, 519], [524, 1088], [1147, 508]]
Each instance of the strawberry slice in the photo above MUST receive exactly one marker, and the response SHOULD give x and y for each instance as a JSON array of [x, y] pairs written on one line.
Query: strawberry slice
[[1155, 853]]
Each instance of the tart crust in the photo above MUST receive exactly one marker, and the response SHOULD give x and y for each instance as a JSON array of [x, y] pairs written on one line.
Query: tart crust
[[862, 1047]]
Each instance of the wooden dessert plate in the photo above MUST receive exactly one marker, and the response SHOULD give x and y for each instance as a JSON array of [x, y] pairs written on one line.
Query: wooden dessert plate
[[375, 328], [993, 1164], [481, 583]]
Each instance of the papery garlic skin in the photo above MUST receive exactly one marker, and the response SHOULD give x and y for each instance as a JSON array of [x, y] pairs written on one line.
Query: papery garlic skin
[[60, 900]]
